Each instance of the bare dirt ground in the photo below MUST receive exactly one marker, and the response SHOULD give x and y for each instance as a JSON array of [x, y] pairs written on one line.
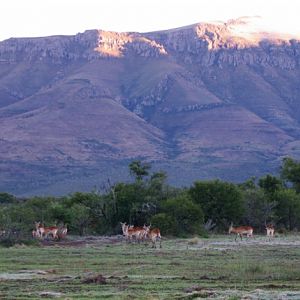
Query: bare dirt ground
[[77, 241]]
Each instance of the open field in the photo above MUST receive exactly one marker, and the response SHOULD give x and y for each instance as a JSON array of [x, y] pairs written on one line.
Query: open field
[[109, 268]]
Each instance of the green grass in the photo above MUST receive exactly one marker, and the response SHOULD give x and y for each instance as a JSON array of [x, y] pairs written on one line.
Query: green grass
[[179, 270]]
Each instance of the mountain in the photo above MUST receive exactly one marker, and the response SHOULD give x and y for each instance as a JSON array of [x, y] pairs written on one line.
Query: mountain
[[217, 100]]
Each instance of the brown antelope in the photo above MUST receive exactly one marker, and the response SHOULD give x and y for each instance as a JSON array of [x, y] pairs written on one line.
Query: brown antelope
[[45, 232], [130, 232], [124, 228], [240, 231], [38, 232], [270, 231], [136, 232], [62, 232], [35, 234], [153, 234]]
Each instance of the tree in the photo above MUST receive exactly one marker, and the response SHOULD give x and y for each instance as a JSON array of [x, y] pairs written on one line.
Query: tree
[[102, 209], [41, 209], [258, 208], [249, 184], [288, 208], [6, 198], [139, 169], [21, 218], [157, 183], [290, 171], [166, 223], [270, 184], [127, 198], [186, 215], [80, 218], [221, 202], [155, 191]]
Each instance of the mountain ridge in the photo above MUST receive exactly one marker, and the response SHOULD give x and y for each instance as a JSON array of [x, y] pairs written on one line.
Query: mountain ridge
[[197, 100]]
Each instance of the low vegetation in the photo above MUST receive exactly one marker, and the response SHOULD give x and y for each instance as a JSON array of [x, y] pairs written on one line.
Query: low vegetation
[[110, 268]]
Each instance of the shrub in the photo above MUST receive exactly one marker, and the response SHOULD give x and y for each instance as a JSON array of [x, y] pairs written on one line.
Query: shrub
[[165, 223], [187, 215]]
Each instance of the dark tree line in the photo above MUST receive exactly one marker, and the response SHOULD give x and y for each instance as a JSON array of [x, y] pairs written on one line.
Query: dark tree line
[[206, 205]]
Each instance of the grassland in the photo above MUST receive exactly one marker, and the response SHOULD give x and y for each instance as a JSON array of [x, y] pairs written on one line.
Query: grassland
[[215, 268]]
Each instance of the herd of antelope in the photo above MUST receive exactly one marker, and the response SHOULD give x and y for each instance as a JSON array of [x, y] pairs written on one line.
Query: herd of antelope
[[139, 234], [54, 232], [248, 231]]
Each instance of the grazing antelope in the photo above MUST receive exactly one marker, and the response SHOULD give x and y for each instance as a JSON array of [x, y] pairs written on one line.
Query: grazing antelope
[[270, 231], [45, 232], [153, 234], [240, 231]]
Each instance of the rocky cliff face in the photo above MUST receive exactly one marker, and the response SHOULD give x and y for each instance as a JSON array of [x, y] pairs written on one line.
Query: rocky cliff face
[[206, 100], [207, 44]]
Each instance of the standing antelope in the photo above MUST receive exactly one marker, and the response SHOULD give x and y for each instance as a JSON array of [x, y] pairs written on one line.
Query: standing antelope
[[136, 232], [44, 232], [38, 232], [241, 230], [62, 232], [131, 232], [124, 229], [270, 231], [153, 234], [35, 234]]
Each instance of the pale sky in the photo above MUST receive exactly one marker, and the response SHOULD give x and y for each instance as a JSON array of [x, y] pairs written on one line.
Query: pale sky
[[30, 18]]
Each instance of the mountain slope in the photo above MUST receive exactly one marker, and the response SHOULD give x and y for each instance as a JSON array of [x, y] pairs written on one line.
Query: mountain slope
[[200, 101]]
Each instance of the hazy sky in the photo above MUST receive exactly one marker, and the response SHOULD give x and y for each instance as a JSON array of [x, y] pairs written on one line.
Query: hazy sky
[[19, 18]]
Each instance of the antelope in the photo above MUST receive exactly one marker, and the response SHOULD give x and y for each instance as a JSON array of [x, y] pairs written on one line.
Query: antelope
[[62, 232], [130, 231], [35, 234], [137, 232], [153, 234], [241, 230], [270, 230], [124, 228], [38, 232], [46, 231]]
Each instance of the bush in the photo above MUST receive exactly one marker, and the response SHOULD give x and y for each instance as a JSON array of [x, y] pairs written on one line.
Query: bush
[[165, 223], [194, 241], [188, 216], [222, 202], [6, 198], [288, 208]]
